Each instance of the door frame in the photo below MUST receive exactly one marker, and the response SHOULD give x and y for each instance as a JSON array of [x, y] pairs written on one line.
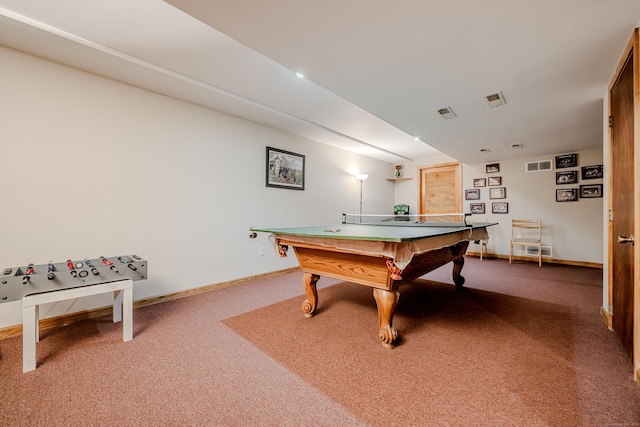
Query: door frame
[[632, 46], [454, 166]]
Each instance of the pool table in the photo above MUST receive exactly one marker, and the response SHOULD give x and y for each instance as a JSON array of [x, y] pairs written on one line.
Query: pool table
[[382, 256]]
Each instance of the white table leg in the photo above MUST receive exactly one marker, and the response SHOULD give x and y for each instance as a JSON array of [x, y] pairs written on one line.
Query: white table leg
[[127, 308], [117, 306], [37, 323], [29, 333]]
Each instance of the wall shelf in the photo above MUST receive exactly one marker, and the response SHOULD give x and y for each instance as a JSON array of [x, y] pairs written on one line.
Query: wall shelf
[[398, 179]]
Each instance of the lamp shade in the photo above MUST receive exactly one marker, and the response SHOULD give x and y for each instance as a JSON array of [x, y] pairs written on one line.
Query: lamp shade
[[361, 176]]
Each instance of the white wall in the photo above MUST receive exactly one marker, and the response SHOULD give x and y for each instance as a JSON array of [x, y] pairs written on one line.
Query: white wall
[[93, 167], [573, 229]]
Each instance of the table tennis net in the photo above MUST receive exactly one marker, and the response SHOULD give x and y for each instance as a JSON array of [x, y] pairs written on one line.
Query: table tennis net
[[436, 220]]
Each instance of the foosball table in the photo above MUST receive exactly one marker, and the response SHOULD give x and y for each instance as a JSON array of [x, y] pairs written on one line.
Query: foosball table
[[52, 282]]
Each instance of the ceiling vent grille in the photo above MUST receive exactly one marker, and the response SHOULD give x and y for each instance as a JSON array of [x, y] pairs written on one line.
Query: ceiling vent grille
[[495, 100], [446, 113], [539, 166]]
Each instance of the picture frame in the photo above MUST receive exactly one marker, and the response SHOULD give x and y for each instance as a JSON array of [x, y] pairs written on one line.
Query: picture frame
[[476, 208], [499, 208], [285, 169], [590, 191], [494, 181], [566, 161], [592, 172], [472, 194], [566, 177], [498, 193], [480, 182], [492, 168], [567, 195]]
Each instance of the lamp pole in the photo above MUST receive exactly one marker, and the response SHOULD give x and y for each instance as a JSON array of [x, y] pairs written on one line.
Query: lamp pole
[[361, 177]]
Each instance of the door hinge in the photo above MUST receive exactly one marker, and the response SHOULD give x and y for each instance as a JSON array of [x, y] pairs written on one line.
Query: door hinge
[[610, 215], [610, 121]]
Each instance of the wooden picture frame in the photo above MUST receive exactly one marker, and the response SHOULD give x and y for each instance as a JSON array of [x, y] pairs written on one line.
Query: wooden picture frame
[[592, 172], [476, 208], [472, 194], [567, 177], [492, 168], [494, 181], [566, 161], [567, 195], [480, 182], [590, 191], [285, 169], [499, 208], [498, 193]]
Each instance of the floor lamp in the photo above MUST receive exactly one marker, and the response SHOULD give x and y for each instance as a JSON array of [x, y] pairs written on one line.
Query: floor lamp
[[361, 177]]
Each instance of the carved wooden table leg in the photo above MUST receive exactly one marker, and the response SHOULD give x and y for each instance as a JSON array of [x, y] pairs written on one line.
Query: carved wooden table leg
[[457, 268], [387, 302], [310, 304]]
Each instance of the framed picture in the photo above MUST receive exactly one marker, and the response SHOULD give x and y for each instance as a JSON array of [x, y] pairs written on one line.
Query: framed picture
[[567, 195], [499, 208], [498, 193], [567, 177], [592, 172], [472, 194], [477, 208], [566, 161], [285, 169], [495, 180], [493, 168], [480, 182], [590, 191]]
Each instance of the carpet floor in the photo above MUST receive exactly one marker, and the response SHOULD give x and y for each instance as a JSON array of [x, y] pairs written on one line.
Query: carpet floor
[[520, 345]]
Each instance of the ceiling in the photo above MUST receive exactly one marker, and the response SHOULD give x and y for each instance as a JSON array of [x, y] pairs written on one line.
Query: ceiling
[[375, 71]]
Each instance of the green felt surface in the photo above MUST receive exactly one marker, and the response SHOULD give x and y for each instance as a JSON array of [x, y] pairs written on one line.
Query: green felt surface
[[375, 232]]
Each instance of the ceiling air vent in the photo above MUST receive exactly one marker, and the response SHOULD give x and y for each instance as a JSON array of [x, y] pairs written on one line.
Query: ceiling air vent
[[495, 100], [446, 113], [485, 150], [539, 166]]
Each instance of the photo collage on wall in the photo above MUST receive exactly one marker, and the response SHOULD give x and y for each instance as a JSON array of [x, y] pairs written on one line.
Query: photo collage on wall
[[568, 178], [497, 192]]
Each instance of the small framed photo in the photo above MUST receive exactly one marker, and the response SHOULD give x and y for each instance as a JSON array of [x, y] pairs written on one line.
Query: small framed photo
[[592, 172], [567, 195], [499, 208], [495, 180], [590, 191], [566, 161], [493, 168], [480, 182], [473, 194], [285, 169], [567, 177], [498, 193], [477, 208]]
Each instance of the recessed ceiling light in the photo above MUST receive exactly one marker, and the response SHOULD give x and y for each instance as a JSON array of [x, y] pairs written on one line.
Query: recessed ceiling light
[[446, 113], [416, 138], [485, 150], [495, 100], [299, 74]]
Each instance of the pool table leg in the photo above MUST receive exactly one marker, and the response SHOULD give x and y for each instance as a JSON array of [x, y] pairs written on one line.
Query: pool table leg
[[458, 263], [310, 304], [387, 302]]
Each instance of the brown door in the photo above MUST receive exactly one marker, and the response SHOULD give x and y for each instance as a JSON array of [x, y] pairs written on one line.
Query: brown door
[[441, 189], [622, 190]]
